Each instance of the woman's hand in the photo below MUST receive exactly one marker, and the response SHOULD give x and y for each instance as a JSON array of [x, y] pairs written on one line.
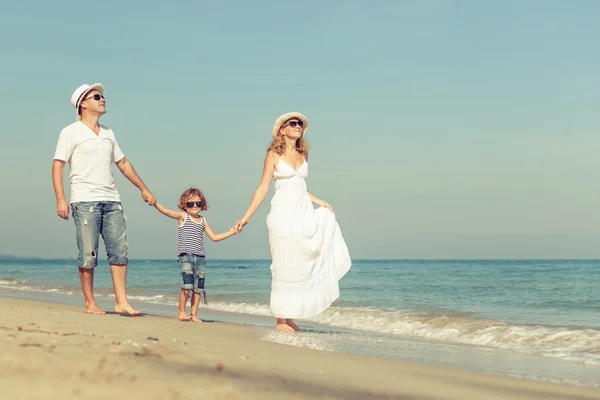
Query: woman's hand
[[327, 206], [240, 224]]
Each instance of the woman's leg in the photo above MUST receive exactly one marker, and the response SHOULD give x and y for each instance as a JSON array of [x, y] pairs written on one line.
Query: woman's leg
[[290, 322], [282, 326]]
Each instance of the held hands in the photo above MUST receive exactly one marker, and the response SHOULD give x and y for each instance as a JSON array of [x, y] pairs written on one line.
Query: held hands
[[62, 209], [148, 197], [240, 224], [234, 231]]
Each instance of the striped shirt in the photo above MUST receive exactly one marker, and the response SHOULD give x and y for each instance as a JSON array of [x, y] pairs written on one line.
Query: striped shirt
[[190, 237]]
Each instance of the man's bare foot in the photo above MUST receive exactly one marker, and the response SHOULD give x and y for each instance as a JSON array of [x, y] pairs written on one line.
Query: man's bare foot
[[284, 328], [94, 309], [127, 309], [195, 319], [183, 317], [292, 324]]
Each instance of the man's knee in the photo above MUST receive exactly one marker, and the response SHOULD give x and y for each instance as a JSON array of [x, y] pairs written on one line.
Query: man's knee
[[88, 260], [115, 236], [117, 253]]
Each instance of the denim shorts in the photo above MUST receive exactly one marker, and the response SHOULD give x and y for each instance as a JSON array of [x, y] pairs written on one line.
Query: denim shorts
[[193, 272], [95, 218]]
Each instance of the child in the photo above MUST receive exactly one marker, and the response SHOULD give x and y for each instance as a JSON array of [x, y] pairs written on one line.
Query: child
[[191, 257]]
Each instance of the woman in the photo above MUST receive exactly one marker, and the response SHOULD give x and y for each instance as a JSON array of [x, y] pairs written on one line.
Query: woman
[[309, 255]]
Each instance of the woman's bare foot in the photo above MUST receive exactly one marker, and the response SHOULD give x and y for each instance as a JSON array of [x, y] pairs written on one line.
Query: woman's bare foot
[[94, 309], [183, 316], [195, 319], [127, 309], [284, 328], [290, 322]]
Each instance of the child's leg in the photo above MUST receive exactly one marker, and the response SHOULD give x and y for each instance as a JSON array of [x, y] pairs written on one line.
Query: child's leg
[[184, 294], [186, 265], [195, 305], [199, 274]]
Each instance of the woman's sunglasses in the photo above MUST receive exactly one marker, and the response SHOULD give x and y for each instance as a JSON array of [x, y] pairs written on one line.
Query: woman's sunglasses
[[190, 204], [96, 97], [293, 124]]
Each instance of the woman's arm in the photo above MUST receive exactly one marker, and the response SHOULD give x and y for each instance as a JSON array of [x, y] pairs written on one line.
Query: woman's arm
[[262, 190], [319, 202]]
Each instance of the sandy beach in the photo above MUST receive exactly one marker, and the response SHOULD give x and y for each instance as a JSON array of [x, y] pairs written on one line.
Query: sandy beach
[[52, 351]]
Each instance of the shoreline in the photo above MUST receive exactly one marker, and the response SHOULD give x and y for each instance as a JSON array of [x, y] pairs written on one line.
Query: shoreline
[[428, 352], [156, 357]]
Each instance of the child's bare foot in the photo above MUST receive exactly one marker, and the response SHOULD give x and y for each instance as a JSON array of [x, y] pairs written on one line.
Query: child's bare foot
[[292, 324], [195, 319], [94, 309], [127, 309], [284, 328], [183, 316]]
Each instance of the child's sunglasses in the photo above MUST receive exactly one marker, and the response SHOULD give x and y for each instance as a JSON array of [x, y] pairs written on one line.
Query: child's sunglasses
[[190, 204], [293, 124]]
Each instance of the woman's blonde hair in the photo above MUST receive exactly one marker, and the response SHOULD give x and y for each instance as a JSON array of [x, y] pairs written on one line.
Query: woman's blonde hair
[[192, 192], [278, 144]]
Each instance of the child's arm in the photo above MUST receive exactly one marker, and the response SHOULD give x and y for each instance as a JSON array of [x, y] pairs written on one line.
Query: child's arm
[[178, 215], [217, 237]]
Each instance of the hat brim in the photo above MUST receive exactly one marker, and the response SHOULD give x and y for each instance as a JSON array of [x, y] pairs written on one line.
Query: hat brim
[[286, 117]]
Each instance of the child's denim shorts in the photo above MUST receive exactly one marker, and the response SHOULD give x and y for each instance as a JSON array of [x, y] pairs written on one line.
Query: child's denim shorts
[[193, 272]]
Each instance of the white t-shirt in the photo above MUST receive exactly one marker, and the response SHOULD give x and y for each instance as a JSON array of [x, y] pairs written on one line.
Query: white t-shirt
[[90, 158]]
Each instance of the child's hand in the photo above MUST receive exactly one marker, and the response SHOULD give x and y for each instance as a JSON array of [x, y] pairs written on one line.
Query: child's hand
[[234, 230]]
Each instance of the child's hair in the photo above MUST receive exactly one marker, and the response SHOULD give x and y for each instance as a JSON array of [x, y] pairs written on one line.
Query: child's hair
[[192, 192]]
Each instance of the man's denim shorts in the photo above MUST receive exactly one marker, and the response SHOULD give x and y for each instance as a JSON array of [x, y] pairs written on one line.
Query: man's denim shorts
[[193, 272], [95, 218]]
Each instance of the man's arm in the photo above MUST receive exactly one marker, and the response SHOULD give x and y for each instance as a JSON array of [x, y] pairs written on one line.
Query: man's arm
[[62, 206], [127, 169]]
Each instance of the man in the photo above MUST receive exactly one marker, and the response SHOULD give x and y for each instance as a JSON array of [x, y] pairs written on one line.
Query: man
[[90, 149]]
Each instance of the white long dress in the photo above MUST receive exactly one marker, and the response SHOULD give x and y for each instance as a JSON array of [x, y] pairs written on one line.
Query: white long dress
[[309, 254]]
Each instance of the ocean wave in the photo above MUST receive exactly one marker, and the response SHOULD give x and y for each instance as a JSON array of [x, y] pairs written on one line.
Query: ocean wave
[[11, 282], [576, 344], [567, 343]]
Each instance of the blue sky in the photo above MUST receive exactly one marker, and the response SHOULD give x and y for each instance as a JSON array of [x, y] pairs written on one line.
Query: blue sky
[[440, 129]]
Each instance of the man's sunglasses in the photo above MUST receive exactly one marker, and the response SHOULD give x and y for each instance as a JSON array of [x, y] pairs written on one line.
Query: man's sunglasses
[[190, 204], [293, 124], [96, 97]]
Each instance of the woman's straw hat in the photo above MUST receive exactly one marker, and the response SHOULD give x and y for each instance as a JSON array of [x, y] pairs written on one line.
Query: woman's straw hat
[[286, 117]]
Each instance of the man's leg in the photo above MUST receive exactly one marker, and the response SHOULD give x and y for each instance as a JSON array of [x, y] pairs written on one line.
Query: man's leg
[[115, 240], [119, 278], [87, 223]]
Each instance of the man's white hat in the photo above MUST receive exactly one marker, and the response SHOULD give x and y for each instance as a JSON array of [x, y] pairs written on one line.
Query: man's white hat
[[81, 91]]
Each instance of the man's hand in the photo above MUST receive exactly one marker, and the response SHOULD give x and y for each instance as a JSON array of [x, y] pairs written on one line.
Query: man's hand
[[148, 197], [62, 209]]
